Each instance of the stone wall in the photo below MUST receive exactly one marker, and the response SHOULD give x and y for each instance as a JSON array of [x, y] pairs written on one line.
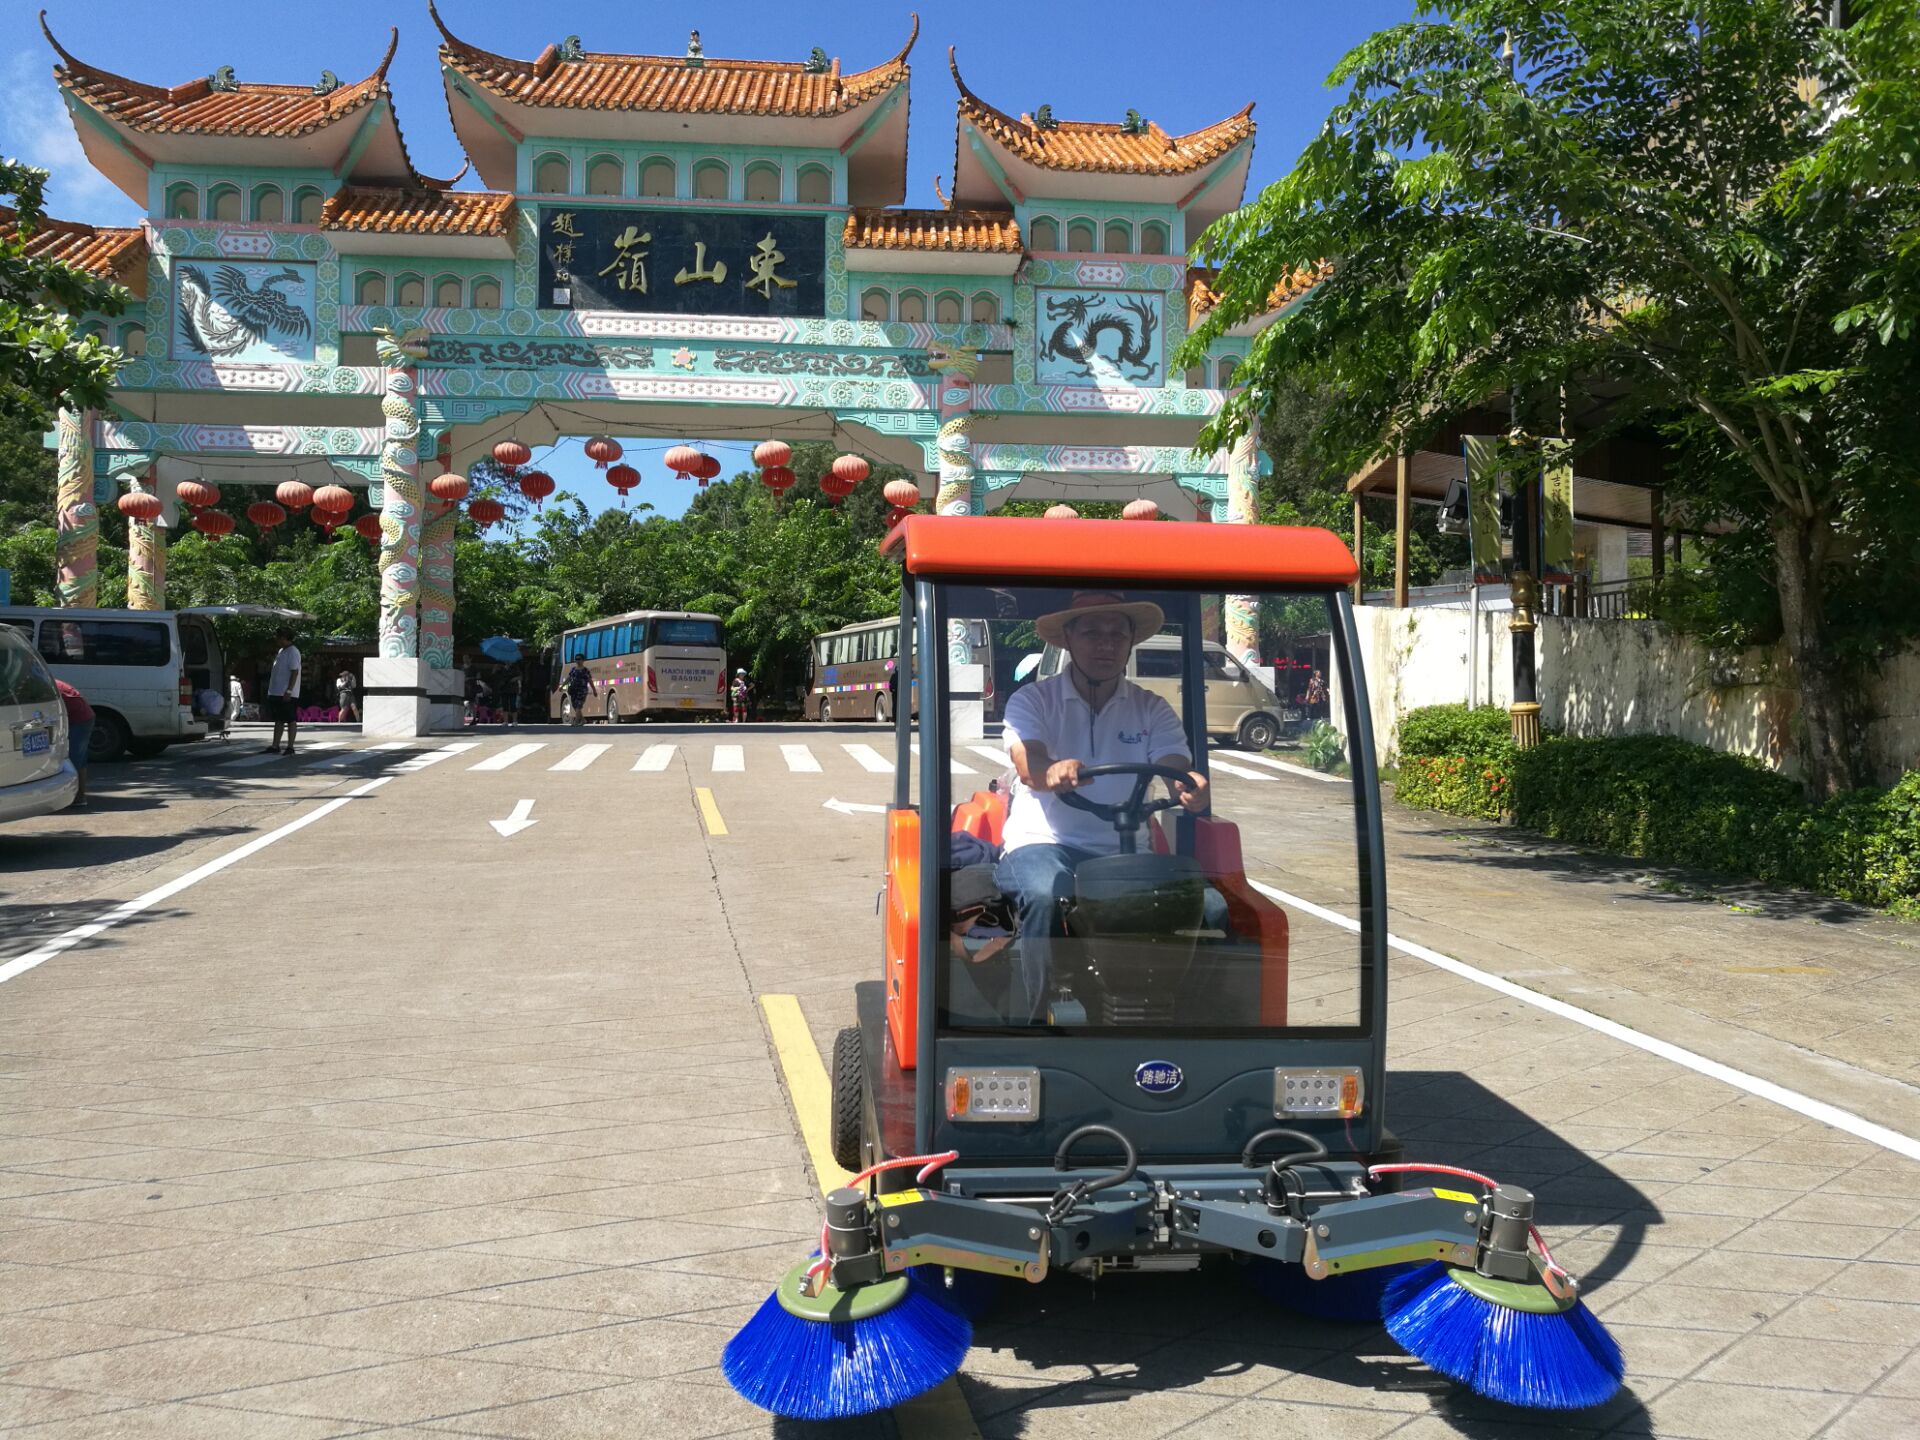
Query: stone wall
[[1620, 677]]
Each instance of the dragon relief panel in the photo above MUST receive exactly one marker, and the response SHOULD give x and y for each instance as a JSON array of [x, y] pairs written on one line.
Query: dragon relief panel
[[242, 310], [1100, 337]]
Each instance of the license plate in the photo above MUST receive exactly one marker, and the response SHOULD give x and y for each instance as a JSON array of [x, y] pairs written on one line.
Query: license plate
[[37, 743], [686, 702]]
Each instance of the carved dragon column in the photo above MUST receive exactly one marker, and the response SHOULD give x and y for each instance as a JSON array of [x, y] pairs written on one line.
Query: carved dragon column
[[146, 559], [1243, 611], [77, 519], [436, 578], [400, 509]]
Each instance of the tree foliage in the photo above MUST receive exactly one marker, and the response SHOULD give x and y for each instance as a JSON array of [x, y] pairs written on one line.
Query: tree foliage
[[44, 358], [1628, 207]]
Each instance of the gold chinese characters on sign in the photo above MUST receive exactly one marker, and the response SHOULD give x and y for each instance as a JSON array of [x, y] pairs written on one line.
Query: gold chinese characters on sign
[[718, 264]]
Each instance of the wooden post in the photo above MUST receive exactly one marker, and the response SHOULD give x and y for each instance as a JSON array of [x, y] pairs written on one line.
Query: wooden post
[[1402, 505], [1359, 551], [1657, 532]]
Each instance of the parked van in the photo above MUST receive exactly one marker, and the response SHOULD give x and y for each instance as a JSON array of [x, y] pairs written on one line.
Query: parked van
[[1240, 706], [141, 670], [35, 778]]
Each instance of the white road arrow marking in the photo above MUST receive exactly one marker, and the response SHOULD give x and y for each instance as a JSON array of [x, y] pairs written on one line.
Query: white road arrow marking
[[517, 821], [850, 807]]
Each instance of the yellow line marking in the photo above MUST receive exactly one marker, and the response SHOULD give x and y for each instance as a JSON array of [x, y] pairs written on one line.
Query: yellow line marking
[[941, 1413], [709, 811], [806, 1084], [1778, 970]]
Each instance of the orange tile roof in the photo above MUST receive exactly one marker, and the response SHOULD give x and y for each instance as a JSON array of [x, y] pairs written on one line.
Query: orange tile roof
[[427, 211], [106, 251], [197, 108], [599, 81], [1105, 148], [994, 231], [1202, 296]]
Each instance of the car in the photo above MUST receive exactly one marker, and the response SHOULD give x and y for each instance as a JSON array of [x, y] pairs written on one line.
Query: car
[[36, 778]]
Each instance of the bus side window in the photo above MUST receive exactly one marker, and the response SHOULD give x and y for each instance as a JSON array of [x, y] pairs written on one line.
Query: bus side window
[[623, 640]]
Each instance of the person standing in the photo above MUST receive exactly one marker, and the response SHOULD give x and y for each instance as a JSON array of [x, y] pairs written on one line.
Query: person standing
[[236, 697], [344, 692], [79, 734], [283, 691], [742, 696]]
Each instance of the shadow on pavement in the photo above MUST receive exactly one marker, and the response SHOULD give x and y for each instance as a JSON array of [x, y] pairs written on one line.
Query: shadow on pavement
[[27, 925], [85, 850], [1072, 1343]]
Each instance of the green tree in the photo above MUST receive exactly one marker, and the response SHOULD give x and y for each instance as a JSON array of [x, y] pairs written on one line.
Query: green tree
[[44, 359], [1631, 206]]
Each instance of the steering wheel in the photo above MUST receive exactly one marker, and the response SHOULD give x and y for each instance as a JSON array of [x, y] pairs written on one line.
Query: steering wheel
[[1130, 814]]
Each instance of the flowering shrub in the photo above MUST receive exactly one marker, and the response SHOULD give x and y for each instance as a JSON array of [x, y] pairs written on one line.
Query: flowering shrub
[[1457, 760]]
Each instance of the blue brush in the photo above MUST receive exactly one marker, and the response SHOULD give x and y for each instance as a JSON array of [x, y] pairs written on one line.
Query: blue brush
[[845, 1353], [1508, 1340], [1354, 1297]]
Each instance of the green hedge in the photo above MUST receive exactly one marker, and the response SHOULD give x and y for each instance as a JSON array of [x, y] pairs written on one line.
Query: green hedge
[[1656, 798]]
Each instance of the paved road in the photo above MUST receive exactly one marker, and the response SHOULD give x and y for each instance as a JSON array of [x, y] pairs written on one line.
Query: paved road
[[397, 1123]]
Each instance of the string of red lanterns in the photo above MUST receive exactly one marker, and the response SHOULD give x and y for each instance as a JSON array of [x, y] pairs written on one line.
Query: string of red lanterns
[[623, 478]]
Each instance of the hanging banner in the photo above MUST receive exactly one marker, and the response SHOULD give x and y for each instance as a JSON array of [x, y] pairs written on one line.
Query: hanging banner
[[1556, 520], [1485, 486]]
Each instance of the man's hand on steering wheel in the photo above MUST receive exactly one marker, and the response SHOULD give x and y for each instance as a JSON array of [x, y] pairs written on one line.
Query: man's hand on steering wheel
[[1063, 775], [1192, 793]]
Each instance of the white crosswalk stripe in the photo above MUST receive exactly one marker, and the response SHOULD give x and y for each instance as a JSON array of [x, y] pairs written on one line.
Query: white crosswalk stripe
[[800, 759], [580, 757], [1216, 763], [512, 755], [655, 757], [341, 759], [267, 757], [869, 758], [988, 752], [1299, 770], [954, 767], [729, 758], [434, 757]]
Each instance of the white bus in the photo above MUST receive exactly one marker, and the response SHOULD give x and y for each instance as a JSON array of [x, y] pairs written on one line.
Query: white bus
[[645, 664]]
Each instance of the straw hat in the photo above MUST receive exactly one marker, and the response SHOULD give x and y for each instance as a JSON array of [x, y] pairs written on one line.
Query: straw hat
[[1146, 617]]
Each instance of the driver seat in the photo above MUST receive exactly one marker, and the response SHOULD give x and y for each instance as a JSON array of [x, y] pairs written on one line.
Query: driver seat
[[1145, 911]]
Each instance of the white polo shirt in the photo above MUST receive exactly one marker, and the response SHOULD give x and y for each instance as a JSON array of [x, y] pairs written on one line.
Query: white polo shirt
[[1135, 726]]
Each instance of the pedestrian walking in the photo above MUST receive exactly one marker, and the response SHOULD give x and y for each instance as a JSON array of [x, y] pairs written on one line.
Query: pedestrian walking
[[236, 697], [1316, 694], [283, 691], [742, 696], [344, 693], [578, 682], [79, 734]]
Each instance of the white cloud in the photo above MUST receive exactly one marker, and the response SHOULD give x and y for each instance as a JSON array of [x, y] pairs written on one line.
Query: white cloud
[[35, 128]]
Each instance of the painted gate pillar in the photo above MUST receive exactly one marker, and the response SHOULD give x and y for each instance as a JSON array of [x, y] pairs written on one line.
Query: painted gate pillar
[[953, 371], [77, 519], [446, 685], [1243, 611], [146, 558], [395, 683]]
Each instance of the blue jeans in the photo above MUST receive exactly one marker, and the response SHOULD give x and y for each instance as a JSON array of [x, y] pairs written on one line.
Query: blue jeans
[[79, 741], [1039, 878]]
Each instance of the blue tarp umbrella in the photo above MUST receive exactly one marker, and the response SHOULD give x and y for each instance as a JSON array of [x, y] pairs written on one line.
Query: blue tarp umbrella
[[501, 648]]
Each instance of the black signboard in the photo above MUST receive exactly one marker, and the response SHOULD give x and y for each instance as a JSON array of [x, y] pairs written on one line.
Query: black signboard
[[682, 262]]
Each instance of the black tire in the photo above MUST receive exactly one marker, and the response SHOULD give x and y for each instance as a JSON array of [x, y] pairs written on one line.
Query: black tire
[[110, 737], [849, 1099], [613, 711], [1259, 732], [882, 711], [145, 749], [826, 712]]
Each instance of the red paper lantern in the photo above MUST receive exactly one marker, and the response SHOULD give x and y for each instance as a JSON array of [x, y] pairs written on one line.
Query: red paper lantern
[[449, 488], [294, 494], [325, 521], [682, 459], [369, 526], [852, 469], [511, 454], [777, 478], [197, 494], [769, 453], [603, 450], [1061, 512], [139, 505], [265, 514], [1141, 509], [536, 485], [336, 498], [902, 494], [486, 511], [623, 478], [214, 523], [897, 513]]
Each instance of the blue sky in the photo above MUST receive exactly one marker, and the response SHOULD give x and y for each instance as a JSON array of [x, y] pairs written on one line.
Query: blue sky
[[1181, 65]]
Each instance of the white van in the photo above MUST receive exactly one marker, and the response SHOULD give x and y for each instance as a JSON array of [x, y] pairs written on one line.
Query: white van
[[1241, 707], [140, 669], [35, 778]]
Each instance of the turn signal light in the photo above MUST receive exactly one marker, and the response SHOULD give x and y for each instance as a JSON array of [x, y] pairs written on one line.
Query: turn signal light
[[652, 684], [1335, 1090], [998, 1094]]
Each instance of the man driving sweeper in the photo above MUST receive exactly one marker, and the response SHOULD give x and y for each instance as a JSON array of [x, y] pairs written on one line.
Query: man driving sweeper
[[1088, 714]]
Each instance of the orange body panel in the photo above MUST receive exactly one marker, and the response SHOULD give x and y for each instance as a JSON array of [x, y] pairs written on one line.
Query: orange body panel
[[1216, 845], [1163, 553], [902, 945]]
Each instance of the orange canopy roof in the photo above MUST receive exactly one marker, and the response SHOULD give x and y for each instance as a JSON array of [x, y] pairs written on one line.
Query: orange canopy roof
[[1123, 552], [993, 231], [110, 252], [421, 211]]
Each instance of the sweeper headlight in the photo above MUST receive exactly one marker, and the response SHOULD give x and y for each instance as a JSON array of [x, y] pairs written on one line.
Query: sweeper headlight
[[1002, 1093], [1336, 1090]]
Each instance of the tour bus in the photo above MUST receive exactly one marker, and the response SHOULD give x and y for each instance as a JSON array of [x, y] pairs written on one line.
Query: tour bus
[[646, 663], [146, 673], [852, 671]]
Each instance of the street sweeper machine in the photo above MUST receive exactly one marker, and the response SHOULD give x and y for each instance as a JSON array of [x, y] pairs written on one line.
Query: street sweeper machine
[[1109, 1038]]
